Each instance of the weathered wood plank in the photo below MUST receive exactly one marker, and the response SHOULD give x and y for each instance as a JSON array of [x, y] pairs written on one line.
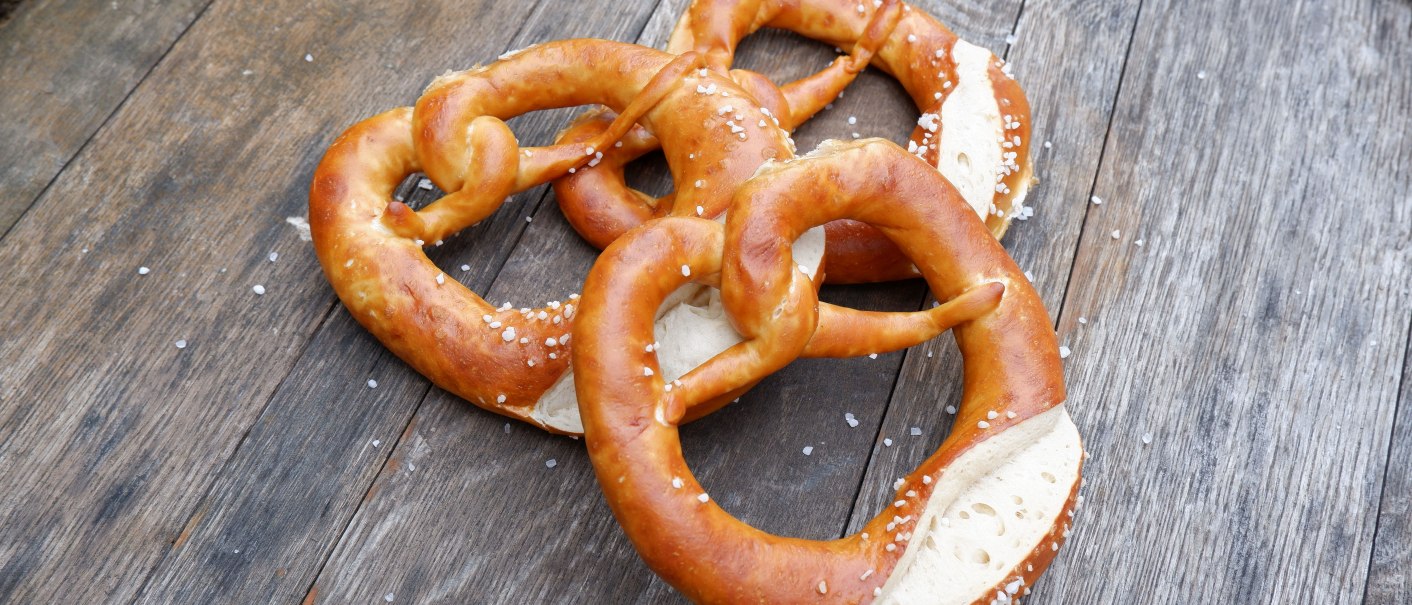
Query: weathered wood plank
[[749, 455], [110, 434], [1241, 335], [1390, 572], [277, 496], [66, 66]]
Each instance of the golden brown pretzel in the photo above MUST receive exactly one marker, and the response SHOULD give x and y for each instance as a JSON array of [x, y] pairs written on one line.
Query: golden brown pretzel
[[506, 360], [979, 520], [974, 126]]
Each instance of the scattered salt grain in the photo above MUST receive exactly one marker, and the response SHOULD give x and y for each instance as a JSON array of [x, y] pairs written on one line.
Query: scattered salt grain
[[301, 225]]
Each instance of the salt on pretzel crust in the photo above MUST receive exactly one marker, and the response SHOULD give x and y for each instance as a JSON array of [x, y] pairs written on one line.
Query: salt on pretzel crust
[[977, 522], [974, 125]]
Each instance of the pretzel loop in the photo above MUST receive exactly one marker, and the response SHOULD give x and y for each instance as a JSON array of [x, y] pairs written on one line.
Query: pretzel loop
[[1013, 454]]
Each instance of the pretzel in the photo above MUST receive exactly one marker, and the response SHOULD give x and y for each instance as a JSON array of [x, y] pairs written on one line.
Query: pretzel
[[974, 124], [977, 522], [515, 362]]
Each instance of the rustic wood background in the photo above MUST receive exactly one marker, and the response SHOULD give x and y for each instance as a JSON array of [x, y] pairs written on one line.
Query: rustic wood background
[[1238, 309]]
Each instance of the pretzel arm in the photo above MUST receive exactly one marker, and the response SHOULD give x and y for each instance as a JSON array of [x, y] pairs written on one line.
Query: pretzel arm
[[543, 164], [596, 199], [808, 95], [760, 354], [840, 327]]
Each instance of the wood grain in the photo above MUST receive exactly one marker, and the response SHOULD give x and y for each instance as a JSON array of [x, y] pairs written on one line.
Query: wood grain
[[1245, 338], [66, 65], [1390, 572], [305, 468], [111, 433]]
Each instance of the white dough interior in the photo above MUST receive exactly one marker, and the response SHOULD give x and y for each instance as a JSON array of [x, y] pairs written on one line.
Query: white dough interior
[[691, 328], [990, 508], [970, 147]]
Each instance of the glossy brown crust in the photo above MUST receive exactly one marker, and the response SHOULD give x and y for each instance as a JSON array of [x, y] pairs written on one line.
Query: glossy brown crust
[[371, 246], [901, 40], [391, 288], [1011, 365]]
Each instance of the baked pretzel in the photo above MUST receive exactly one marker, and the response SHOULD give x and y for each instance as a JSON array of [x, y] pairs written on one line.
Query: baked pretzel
[[974, 124], [515, 361], [977, 522]]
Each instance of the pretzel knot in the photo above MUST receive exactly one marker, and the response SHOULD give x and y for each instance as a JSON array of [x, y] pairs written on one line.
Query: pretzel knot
[[974, 125], [978, 521]]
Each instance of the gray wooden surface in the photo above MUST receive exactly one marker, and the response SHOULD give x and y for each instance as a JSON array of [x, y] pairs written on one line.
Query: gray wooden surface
[[1242, 377]]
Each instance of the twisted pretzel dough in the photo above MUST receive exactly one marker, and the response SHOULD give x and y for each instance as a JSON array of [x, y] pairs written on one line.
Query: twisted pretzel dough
[[976, 522], [515, 362], [974, 126]]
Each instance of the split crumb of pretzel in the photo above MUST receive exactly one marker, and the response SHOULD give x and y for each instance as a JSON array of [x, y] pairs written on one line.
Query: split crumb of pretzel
[[514, 362], [974, 125], [977, 522]]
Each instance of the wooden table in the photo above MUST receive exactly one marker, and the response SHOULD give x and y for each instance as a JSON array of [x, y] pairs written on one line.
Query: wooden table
[[1238, 308]]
